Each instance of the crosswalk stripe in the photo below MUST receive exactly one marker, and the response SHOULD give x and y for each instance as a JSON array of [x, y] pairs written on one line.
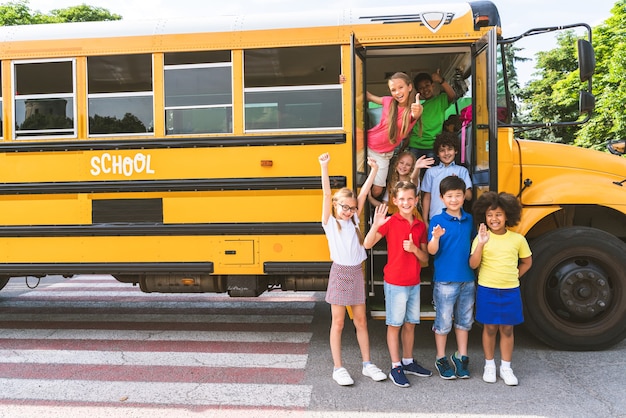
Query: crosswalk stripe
[[188, 318], [159, 393], [140, 335], [290, 361]]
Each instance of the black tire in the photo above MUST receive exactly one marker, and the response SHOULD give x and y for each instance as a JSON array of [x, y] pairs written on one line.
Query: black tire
[[575, 293], [3, 281]]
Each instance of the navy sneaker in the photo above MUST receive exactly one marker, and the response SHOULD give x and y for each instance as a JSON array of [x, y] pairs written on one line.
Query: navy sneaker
[[416, 369], [461, 366], [398, 378], [444, 368]]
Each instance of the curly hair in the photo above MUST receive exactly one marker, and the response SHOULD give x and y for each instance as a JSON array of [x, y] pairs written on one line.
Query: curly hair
[[492, 200], [446, 138]]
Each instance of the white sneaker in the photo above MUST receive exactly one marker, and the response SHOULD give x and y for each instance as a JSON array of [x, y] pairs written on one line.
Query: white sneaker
[[507, 375], [342, 377], [374, 372], [489, 375]]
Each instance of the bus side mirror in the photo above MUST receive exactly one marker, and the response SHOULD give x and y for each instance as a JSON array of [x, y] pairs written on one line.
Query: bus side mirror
[[617, 146], [586, 59], [586, 102]]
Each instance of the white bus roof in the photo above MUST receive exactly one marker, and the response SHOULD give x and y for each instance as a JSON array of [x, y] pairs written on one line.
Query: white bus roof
[[232, 23]]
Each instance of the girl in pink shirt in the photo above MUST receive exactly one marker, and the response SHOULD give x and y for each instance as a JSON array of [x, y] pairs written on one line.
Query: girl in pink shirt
[[400, 112]]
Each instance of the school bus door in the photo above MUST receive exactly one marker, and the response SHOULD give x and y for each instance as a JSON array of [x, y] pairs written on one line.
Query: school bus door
[[484, 162], [359, 108]]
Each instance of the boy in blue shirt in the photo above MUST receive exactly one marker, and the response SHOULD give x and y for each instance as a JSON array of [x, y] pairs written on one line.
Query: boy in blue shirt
[[449, 240]]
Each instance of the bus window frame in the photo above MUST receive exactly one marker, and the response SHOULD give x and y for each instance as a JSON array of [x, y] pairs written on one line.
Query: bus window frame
[[120, 95], [20, 134], [273, 86], [227, 106]]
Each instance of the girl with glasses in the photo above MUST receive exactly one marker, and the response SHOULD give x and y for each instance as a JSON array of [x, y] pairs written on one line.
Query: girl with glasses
[[346, 283]]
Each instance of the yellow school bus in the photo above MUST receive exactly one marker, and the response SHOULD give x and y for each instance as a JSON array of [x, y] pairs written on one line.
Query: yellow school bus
[[182, 155]]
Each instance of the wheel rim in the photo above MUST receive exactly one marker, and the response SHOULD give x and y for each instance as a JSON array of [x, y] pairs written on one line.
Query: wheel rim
[[579, 290]]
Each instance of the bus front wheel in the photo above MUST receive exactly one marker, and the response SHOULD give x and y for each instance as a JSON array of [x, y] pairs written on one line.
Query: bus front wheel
[[575, 293]]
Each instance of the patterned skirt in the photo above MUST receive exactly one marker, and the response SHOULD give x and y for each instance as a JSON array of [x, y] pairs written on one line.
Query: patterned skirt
[[346, 286]]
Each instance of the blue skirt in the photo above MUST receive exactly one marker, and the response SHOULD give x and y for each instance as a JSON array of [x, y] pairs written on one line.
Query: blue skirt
[[499, 306]]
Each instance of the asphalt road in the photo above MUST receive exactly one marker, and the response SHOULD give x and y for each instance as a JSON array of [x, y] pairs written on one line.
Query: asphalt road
[[94, 347]]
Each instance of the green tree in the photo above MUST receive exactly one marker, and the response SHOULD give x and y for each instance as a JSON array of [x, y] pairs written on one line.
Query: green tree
[[511, 57], [84, 13], [552, 96], [609, 121], [20, 13]]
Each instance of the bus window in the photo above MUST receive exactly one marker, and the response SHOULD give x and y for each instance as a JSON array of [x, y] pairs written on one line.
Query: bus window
[[120, 94], [44, 98], [198, 92], [292, 88]]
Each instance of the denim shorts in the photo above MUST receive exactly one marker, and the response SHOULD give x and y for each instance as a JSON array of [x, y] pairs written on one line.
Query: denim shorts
[[402, 304], [453, 301]]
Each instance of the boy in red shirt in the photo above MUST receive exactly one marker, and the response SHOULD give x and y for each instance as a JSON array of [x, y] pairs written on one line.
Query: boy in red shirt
[[406, 249]]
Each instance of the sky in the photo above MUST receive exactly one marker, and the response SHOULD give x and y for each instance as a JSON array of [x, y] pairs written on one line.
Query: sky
[[517, 16]]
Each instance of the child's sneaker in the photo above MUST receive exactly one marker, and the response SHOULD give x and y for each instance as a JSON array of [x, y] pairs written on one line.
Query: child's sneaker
[[416, 369], [342, 377], [461, 366], [489, 375], [398, 378], [374, 372], [444, 368], [507, 375]]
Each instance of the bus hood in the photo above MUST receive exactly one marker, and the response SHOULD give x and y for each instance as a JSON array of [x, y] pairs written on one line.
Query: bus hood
[[565, 174]]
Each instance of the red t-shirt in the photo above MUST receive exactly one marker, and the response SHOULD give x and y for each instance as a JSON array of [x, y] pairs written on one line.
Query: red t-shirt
[[402, 268]]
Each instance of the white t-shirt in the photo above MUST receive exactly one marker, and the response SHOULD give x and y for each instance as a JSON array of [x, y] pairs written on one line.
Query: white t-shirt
[[344, 245]]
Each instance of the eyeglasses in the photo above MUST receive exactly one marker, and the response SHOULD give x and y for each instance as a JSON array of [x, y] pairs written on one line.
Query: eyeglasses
[[347, 208]]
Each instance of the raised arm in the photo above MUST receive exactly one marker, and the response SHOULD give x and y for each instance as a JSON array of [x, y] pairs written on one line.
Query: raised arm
[[477, 256], [444, 85], [422, 162], [433, 244], [367, 186], [373, 236], [327, 200], [374, 99]]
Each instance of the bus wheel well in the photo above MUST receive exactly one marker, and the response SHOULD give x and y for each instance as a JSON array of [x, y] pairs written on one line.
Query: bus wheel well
[[3, 281], [593, 216]]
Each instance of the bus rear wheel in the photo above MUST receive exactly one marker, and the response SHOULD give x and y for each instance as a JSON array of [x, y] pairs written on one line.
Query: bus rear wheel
[[575, 292]]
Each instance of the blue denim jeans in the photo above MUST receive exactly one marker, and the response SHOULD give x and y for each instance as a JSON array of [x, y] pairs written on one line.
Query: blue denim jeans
[[454, 302]]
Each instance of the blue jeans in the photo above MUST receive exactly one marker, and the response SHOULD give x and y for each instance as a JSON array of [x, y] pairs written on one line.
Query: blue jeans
[[402, 304], [454, 301]]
